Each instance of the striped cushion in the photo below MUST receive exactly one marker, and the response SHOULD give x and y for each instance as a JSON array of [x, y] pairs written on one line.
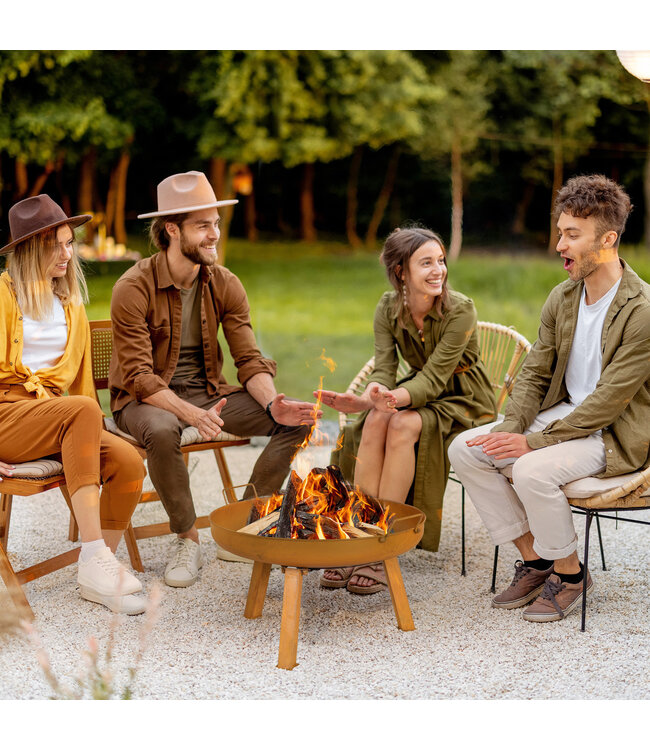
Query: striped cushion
[[37, 469], [189, 436], [590, 486]]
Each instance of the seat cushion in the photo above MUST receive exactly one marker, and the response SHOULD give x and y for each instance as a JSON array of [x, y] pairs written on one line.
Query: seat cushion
[[46, 467], [590, 486], [189, 436]]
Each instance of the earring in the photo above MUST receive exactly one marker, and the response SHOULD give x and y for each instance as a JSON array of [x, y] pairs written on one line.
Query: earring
[[406, 304]]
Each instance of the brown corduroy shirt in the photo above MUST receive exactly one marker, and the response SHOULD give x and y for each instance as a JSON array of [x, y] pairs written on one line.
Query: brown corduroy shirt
[[146, 311]]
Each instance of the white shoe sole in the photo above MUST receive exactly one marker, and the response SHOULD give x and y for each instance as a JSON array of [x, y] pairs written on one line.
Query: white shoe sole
[[553, 616], [127, 604]]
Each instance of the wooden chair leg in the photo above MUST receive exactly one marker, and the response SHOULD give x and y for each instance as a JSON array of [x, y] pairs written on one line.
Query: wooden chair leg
[[5, 517], [13, 586], [226, 479], [132, 547]]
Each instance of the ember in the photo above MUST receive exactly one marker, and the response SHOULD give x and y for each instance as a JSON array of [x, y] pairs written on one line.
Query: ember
[[322, 506]]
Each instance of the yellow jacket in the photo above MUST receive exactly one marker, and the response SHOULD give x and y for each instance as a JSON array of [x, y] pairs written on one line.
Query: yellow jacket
[[72, 373]]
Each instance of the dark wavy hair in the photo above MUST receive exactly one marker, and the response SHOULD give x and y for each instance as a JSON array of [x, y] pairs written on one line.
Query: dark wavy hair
[[400, 245], [158, 234], [598, 196]]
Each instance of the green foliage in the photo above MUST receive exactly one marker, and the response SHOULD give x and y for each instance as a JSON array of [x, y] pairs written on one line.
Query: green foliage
[[302, 107]]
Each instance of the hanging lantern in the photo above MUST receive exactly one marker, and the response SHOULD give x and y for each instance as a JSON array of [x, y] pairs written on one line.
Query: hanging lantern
[[242, 181], [636, 62]]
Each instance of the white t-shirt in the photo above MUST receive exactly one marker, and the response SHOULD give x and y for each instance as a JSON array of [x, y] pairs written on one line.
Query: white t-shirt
[[44, 340], [586, 357]]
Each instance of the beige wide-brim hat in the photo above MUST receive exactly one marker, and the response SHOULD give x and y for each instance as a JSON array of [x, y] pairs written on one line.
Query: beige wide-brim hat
[[39, 213], [185, 192]]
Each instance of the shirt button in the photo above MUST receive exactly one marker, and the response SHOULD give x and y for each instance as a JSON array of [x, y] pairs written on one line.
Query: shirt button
[[610, 450], [15, 341], [11, 363], [20, 318]]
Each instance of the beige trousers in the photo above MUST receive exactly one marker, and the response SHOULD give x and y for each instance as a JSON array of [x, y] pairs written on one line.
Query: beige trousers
[[534, 501]]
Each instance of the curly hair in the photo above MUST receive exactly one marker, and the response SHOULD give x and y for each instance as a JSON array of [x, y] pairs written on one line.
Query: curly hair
[[598, 196]]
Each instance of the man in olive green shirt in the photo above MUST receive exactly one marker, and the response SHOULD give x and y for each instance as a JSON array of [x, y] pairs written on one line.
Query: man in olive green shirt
[[580, 406]]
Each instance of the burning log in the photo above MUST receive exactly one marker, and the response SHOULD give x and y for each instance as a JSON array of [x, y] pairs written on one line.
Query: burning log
[[324, 505], [287, 507]]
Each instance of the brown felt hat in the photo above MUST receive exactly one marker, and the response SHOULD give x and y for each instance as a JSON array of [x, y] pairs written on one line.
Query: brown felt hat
[[37, 214], [185, 192]]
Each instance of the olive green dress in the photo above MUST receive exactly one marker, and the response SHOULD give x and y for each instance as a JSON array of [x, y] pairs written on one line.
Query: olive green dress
[[448, 385]]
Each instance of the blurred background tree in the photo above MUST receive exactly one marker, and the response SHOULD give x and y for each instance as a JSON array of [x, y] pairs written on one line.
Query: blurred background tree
[[339, 145]]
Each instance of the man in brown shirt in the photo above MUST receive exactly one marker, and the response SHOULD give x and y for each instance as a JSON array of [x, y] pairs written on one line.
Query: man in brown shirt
[[166, 370]]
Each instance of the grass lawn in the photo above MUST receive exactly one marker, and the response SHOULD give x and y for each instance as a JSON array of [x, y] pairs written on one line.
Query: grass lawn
[[310, 299]]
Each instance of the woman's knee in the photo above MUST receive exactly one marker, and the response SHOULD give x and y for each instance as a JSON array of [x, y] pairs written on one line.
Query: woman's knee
[[404, 427], [84, 408], [376, 425]]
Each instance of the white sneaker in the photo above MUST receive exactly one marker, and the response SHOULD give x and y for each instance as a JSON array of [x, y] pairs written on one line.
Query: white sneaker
[[105, 575], [125, 605], [184, 563]]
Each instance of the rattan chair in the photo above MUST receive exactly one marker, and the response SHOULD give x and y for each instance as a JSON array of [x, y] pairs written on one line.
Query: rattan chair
[[503, 352], [29, 479], [191, 441]]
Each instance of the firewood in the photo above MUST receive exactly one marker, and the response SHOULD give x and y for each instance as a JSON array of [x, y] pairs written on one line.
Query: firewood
[[285, 520], [354, 532], [340, 488], [372, 529], [261, 523]]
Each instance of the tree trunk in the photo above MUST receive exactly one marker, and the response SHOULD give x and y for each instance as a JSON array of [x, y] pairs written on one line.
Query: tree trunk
[[86, 193], [352, 198], [521, 210], [456, 240], [308, 230], [22, 180], [384, 197], [558, 170], [250, 216], [221, 179], [109, 215], [39, 182], [646, 188], [120, 198]]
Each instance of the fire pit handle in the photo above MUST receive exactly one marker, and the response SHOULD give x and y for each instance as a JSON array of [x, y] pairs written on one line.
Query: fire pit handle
[[229, 492]]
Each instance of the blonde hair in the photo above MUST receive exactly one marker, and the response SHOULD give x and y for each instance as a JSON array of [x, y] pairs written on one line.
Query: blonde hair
[[28, 264]]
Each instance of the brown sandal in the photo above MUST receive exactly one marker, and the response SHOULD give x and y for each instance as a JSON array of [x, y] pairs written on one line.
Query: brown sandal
[[336, 583], [374, 571]]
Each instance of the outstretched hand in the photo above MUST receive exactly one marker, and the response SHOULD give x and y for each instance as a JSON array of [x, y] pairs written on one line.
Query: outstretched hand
[[382, 399], [291, 413], [348, 403]]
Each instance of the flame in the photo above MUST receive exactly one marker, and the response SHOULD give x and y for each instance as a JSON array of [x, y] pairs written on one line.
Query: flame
[[322, 495], [328, 361]]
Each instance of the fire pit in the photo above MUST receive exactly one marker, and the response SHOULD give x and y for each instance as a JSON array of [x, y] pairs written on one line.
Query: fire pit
[[298, 556]]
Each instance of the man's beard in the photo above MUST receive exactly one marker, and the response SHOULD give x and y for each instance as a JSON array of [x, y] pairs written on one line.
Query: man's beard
[[193, 253]]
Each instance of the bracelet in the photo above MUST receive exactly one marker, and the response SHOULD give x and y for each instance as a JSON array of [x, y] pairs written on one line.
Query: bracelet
[[268, 411]]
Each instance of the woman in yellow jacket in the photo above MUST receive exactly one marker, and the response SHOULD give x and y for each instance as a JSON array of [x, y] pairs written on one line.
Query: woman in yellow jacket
[[44, 353]]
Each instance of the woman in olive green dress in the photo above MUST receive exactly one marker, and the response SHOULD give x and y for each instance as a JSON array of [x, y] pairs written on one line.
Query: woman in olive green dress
[[397, 449]]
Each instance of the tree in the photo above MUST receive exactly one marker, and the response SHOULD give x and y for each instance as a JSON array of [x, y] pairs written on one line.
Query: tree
[[454, 126]]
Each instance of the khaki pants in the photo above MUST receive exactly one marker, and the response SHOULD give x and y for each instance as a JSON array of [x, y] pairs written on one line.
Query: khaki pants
[[534, 501], [159, 431], [71, 427]]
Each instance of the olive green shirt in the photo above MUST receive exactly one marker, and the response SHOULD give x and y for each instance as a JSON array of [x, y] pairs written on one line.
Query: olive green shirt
[[620, 403]]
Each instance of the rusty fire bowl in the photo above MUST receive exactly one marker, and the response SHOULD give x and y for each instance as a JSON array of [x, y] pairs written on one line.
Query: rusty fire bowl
[[405, 533]]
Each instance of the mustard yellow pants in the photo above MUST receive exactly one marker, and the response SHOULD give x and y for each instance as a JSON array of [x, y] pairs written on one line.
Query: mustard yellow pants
[[71, 428]]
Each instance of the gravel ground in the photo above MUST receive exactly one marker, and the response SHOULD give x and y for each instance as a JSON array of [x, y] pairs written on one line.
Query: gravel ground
[[202, 647]]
